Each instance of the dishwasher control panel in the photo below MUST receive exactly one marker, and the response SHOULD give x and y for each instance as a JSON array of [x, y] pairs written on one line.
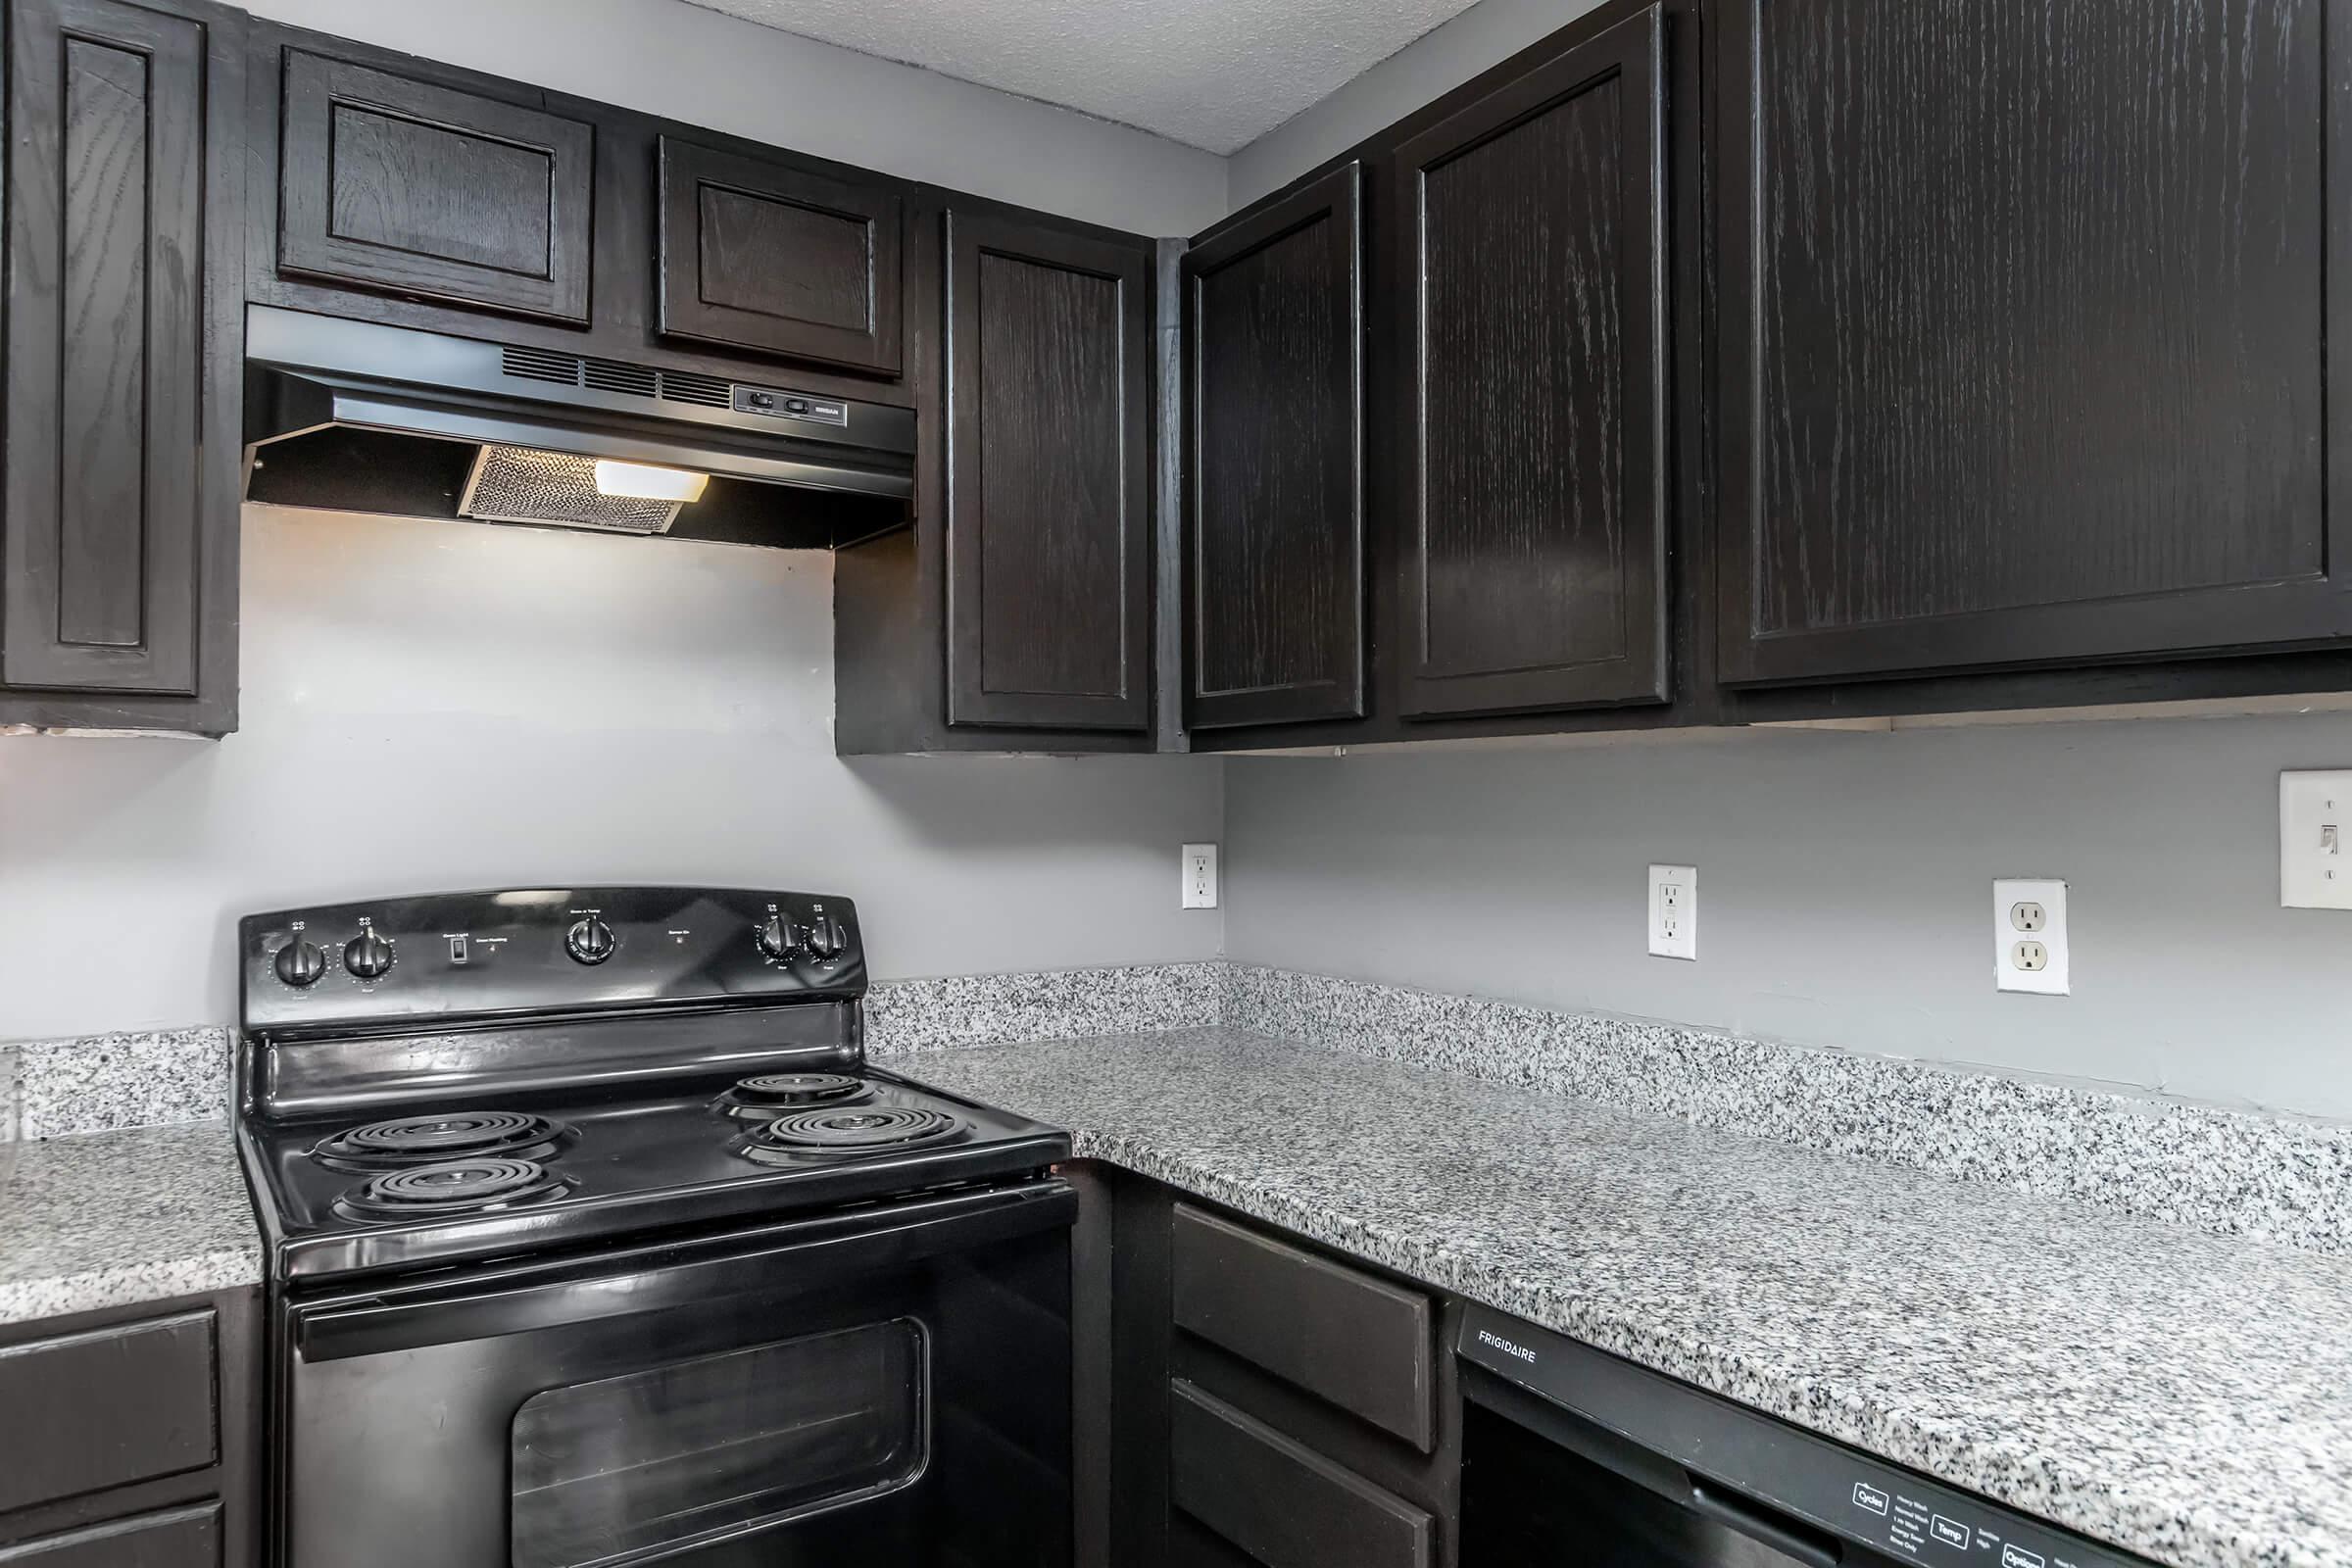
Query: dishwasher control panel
[[1787, 1485]]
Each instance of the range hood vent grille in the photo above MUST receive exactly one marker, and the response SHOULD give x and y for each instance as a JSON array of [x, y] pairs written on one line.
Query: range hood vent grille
[[610, 376], [539, 364], [681, 386], [616, 375]]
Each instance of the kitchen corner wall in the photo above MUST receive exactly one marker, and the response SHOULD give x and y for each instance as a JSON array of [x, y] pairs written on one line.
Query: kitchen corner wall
[[443, 704], [1844, 890]]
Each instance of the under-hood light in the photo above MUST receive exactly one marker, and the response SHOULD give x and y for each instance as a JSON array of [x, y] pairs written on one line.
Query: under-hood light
[[644, 481]]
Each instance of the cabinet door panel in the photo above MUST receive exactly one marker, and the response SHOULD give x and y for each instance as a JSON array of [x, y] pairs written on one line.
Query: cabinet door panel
[[2027, 323], [1049, 518], [768, 255], [393, 183], [120, 429], [184, 1537], [1532, 305], [1282, 1504], [1274, 464], [129, 1402], [1360, 1343]]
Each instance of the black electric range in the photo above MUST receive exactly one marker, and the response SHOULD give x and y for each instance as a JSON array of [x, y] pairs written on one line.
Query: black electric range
[[593, 1239], [482, 1178]]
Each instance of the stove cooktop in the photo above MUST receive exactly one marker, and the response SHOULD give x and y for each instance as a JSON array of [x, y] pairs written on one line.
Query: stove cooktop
[[429, 1186]]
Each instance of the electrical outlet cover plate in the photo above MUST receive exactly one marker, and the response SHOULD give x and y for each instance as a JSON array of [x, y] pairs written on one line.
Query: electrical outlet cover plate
[[1674, 911], [2315, 863], [1200, 890], [2028, 937]]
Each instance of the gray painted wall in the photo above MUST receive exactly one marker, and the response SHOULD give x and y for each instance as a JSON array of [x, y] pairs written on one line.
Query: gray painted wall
[[1442, 58], [1844, 890], [435, 705], [667, 58]]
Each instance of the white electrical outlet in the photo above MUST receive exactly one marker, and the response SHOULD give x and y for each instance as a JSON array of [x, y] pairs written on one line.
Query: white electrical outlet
[[2315, 819], [1674, 911], [2028, 937], [1199, 876]]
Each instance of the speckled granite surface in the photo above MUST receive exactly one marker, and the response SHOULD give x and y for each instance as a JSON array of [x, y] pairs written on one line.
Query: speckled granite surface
[[2185, 1395], [905, 1017], [100, 1082], [2220, 1170], [109, 1219]]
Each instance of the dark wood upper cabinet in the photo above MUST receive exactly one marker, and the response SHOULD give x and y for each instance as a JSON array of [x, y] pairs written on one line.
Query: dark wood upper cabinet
[[2027, 318], [1532, 306], [766, 254], [1274, 463], [1048, 476], [394, 182], [124, 258]]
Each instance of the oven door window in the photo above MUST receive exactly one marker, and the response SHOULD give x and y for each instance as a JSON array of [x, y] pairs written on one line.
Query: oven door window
[[638, 1468]]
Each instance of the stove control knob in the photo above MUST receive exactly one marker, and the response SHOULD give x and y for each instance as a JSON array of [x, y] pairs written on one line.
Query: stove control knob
[[824, 936], [368, 955], [300, 963], [779, 938], [589, 941]]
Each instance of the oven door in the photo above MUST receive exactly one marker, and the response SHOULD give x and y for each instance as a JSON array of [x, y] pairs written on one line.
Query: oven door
[[886, 1387]]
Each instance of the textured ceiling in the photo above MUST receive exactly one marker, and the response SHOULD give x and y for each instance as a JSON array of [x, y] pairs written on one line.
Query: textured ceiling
[[1211, 73]]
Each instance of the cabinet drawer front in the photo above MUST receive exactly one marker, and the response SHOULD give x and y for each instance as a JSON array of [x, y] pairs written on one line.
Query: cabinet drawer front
[[185, 1537], [764, 254], [2076, 405], [404, 186], [118, 1405], [1361, 1344], [1285, 1506], [1048, 476], [108, 281], [1532, 306], [1273, 463]]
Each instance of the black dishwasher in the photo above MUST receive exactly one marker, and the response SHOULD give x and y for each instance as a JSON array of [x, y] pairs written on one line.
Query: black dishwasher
[[1571, 1456]]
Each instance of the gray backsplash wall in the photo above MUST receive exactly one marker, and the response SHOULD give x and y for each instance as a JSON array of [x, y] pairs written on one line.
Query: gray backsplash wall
[[441, 705], [1844, 890]]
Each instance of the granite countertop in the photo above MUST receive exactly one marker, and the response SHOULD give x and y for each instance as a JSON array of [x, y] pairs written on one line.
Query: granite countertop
[[114, 1218], [2181, 1394]]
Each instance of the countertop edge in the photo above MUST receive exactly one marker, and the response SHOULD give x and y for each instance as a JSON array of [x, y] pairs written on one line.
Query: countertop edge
[[61, 1296]]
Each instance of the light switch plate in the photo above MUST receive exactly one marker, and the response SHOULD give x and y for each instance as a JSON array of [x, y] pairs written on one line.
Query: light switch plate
[[1674, 911], [2031, 952], [2315, 819]]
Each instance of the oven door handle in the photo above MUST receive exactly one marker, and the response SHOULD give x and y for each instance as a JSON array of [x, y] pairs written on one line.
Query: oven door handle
[[791, 1255]]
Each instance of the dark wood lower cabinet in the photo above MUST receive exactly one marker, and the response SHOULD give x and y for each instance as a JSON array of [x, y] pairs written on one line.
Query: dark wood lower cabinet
[[133, 1437], [124, 256], [1273, 1406]]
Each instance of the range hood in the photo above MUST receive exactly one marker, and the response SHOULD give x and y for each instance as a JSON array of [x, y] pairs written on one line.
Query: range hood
[[356, 416]]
